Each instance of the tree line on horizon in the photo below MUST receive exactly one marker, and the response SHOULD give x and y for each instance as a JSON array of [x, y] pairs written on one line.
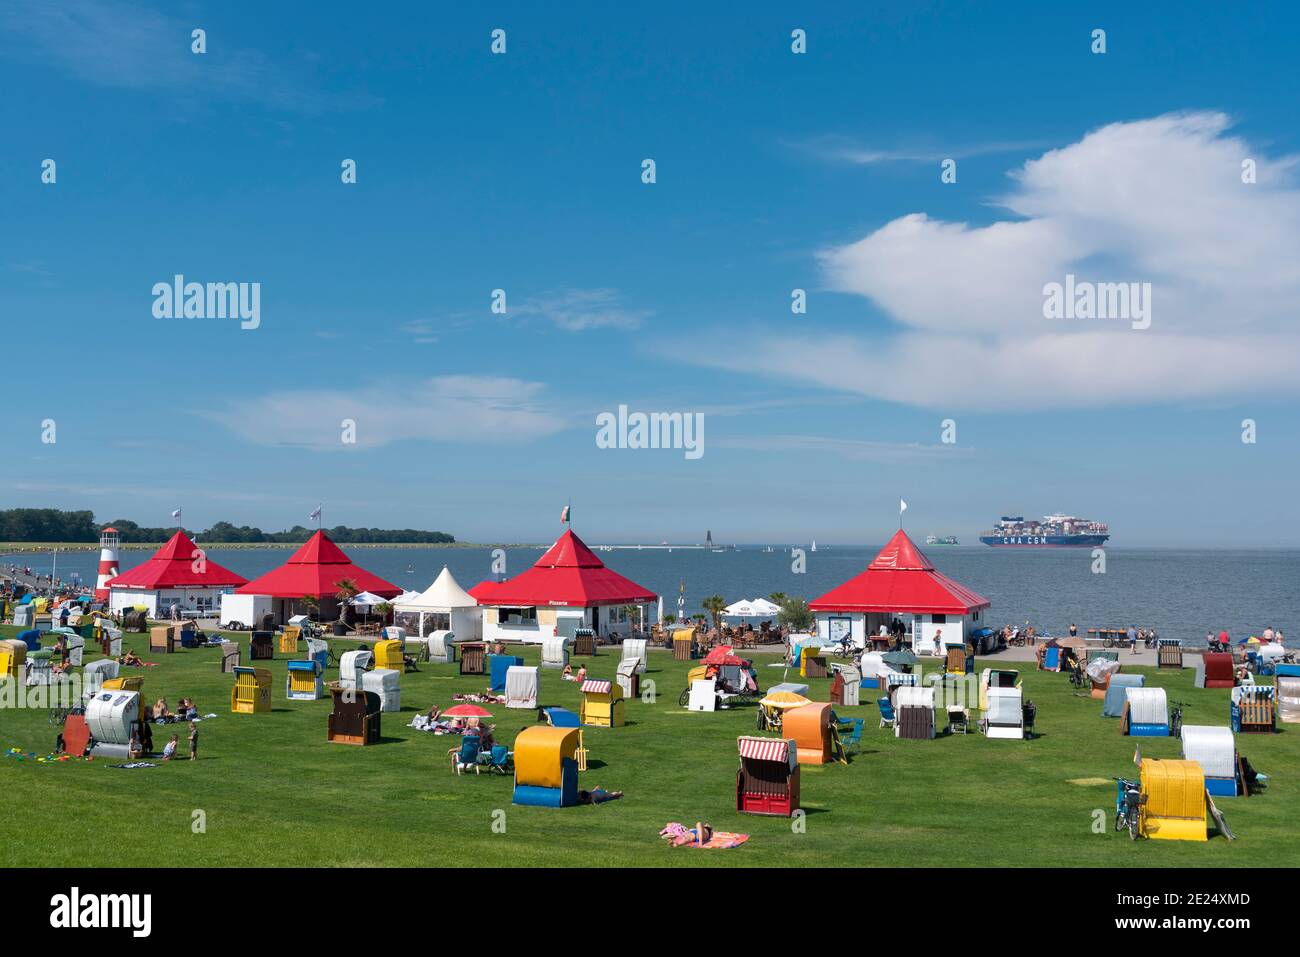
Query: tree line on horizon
[[56, 525]]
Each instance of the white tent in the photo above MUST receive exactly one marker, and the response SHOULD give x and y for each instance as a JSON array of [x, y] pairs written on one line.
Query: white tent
[[406, 596], [443, 606], [757, 608]]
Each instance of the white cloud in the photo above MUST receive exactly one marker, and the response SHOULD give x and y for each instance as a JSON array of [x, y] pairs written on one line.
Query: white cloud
[[419, 331], [1157, 201], [577, 310], [839, 149], [861, 450], [128, 46], [453, 409]]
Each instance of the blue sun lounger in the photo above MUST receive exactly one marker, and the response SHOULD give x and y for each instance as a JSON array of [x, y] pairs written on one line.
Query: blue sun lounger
[[561, 718]]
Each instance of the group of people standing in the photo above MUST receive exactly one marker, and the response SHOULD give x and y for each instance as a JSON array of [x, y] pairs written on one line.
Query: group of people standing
[[1270, 636]]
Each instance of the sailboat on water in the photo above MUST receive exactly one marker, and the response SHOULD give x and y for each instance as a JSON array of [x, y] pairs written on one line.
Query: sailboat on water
[[814, 545]]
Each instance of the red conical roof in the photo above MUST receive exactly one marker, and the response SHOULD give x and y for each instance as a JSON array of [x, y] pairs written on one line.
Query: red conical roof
[[319, 550], [901, 553], [901, 579], [569, 575], [569, 551], [315, 569], [172, 566]]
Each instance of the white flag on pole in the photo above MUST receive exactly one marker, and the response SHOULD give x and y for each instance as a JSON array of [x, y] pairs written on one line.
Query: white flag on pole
[[176, 514], [902, 506], [315, 513]]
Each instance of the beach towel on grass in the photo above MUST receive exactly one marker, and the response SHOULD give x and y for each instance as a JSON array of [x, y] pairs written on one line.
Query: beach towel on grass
[[722, 841], [133, 765]]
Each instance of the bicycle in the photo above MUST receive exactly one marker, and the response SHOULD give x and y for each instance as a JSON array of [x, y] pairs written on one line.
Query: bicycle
[[1176, 720], [1128, 807]]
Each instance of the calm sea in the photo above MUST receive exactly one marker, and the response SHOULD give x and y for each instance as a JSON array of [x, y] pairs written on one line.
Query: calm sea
[[1181, 593]]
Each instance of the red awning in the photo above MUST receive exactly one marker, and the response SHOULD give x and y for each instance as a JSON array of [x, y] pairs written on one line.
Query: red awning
[[315, 569], [596, 686], [174, 566], [764, 749], [901, 579], [568, 575]]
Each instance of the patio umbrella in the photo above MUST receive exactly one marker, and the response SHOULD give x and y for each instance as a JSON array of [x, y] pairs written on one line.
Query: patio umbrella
[[470, 713], [740, 609], [467, 711], [900, 658], [785, 699], [764, 608]]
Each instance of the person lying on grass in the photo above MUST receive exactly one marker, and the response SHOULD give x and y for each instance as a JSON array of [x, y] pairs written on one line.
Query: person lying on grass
[[598, 795], [678, 834], [130, 660]]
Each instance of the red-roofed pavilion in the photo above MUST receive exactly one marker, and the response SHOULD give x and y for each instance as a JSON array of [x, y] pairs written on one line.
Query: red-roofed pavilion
[[315, 571], [563, 590], [180, 574], [900, 581]]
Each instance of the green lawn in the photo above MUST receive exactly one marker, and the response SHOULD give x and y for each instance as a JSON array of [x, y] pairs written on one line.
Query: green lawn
[[275, 793]]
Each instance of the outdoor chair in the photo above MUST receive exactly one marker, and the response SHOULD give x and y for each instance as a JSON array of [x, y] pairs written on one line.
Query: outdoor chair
[[958, 720], [887, 715], [467, 755], [498, 759], [853, 739]]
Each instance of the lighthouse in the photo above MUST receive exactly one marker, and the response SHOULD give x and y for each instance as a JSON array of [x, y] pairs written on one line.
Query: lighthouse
[[108, 542]]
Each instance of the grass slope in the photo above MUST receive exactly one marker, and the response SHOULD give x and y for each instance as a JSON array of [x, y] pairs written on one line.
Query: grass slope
[[275, 793]]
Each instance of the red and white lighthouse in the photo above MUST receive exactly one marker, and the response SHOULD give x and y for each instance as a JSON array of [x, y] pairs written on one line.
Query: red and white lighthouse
[[108, 543]]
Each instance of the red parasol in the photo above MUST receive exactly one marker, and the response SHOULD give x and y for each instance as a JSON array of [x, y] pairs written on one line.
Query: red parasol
[[467, 711]]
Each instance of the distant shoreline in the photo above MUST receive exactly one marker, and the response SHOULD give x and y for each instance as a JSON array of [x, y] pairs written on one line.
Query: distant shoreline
[[8, 547]]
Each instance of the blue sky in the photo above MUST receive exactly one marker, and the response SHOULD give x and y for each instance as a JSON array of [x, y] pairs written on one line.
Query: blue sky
[[775, 171]]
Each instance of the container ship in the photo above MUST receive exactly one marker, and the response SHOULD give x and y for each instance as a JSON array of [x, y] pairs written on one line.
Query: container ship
[[1054, 531]]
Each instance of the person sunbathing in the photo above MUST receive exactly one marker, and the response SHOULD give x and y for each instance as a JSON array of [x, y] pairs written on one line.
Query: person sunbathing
[[161, 713], [62, 668], [679, 835], [130, 660], [598, 795]]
